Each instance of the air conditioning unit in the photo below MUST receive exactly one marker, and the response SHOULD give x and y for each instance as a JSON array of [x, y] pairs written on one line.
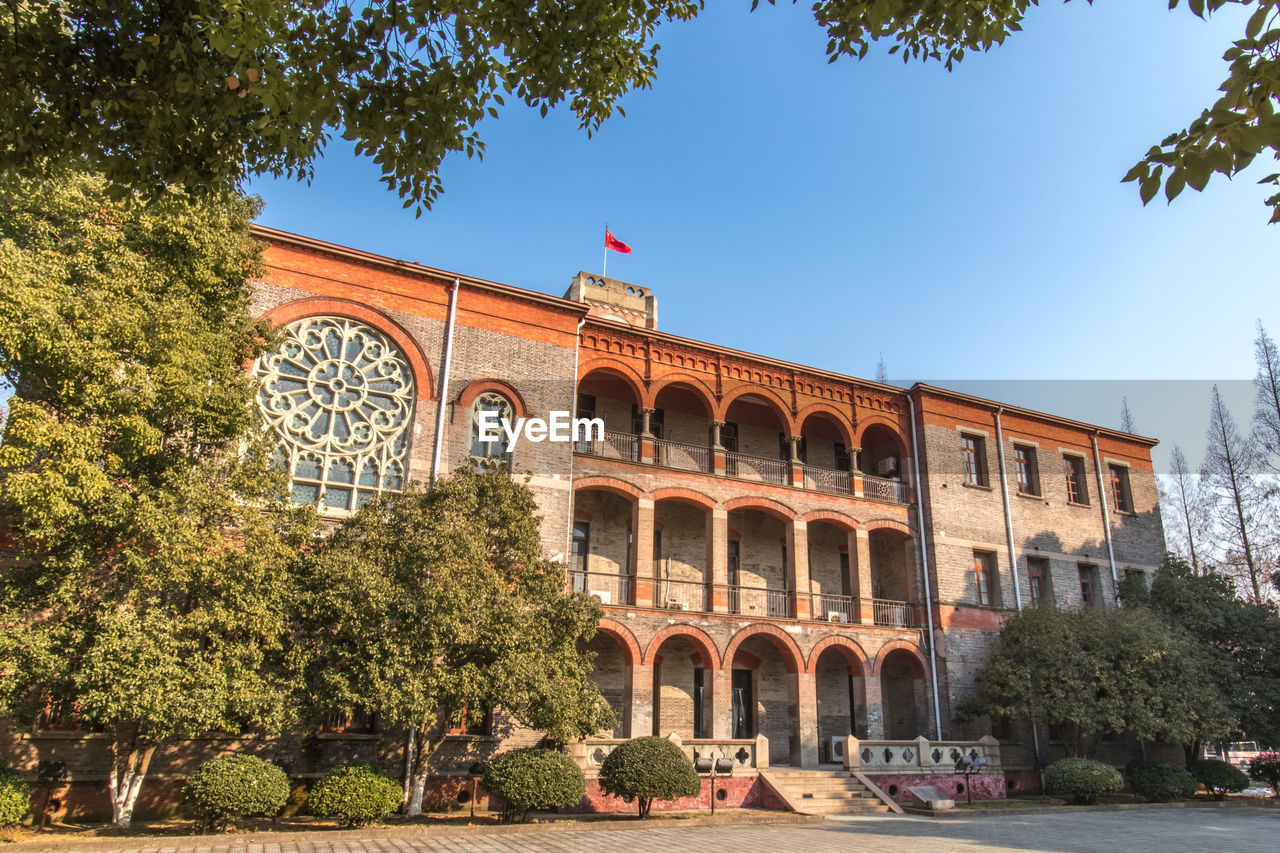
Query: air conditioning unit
[[836, 616], [677, 605], [887, 466], [603, 596], [837, 749]]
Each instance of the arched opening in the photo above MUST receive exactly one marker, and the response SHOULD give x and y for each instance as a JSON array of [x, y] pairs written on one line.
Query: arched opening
[[611, 673], [831, 581], [824, 450], [681, 689], [680, 556], [902, 695], [614, 398], [881, 453], [602, 562], [842, 700], [758, 564], [756, 441], [765, 697], [681, 426], [893, 580]]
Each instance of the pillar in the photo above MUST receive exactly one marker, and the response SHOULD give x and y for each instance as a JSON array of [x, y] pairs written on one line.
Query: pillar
[[875, 709], [646, 436], [861, 566], [718, 558], [807, 717], [722, 702], [855, 473], [797, 470], [798, 568], [641, 701], [717, 449], [642, 551]]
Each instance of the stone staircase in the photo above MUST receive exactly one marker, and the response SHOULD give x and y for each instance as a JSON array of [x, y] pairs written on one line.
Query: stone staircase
[[824, 792]]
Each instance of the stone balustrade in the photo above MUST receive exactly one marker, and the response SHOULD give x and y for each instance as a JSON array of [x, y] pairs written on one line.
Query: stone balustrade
[[916, 756]]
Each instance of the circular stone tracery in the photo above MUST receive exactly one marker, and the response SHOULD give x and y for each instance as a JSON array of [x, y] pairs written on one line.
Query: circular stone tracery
[[339, 396]]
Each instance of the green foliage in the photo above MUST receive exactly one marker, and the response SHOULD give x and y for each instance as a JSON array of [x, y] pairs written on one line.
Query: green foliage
[[534, 779], [1096, 671], [356, 795], [233, 786], [1161, 783], [15, 796], [204, 92], [1265, 768], [129, 457], [1219, 777], [1239, 642], [430, 606], [1081, 781], [648, 769]]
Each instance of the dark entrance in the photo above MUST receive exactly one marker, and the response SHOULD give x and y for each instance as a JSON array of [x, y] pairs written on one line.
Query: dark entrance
[[743, 720]]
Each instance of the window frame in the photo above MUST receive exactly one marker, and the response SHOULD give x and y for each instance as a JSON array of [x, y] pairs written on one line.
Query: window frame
[[1121, 489], [501, 456], [1027, 469], [1039, 580], [973, 456], [986, 578], [1090, 584], [1076, 479]]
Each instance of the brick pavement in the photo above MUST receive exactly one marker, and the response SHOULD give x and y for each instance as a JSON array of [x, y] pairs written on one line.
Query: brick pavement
[[1236, 830]]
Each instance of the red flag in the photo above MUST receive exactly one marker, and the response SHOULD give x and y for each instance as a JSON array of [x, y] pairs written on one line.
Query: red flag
[[612, 242]]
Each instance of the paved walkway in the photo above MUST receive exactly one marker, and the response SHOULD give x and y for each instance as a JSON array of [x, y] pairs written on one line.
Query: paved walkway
[[1236, 830]]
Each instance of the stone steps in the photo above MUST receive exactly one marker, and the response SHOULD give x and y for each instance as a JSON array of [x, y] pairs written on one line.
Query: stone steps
[[827, 792]]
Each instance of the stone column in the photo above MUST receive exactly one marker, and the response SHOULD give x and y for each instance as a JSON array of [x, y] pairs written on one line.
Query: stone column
[[722, 702], [875, 709], [642, 551], [641, 701], [646, 436], [718, 558], [717, 449], [861, 566], [798, 570], [807, 717], [797, 470], [855, 475]]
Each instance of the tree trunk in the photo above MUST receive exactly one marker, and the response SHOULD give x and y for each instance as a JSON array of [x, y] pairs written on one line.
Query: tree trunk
[[424, 747], [129, 763]]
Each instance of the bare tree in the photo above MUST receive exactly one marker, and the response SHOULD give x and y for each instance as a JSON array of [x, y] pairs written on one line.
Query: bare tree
[[882, 375], [1266, 412], [1182, 498], [1230, 472], [1126, 417]]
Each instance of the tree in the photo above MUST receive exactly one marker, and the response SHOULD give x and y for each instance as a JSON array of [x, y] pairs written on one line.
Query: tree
[[434, 606], [1091, 672], [1232, 489], [1241, 641], [1126, 417], [152, 537], [1266, 411], [1182, 500], [203, 92]]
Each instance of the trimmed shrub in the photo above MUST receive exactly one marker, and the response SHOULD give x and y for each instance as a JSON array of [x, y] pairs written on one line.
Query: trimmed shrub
[[1162, 783], [234, 786], [1218, 777], [356, 794], [648, 769], [15, 796], [534, 779], [1082, 781], [1265, 768]]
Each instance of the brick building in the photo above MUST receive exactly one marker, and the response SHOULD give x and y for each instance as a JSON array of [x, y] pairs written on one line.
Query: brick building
[[786, 556]]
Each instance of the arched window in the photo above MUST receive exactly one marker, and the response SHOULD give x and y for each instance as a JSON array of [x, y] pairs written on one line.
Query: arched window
[[339, 396], [489, 412]]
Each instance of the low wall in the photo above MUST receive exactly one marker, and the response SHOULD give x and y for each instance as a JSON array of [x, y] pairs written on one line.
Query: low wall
[[985, 786], [732, 792]]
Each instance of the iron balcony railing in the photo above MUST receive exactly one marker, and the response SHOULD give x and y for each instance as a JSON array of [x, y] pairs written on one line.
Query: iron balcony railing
[[748, 467], [894, 614], [605, 588], [885, 490], [677, 454], [614, 445], [760, 601], [834, 608], [680, 595], [827, 479]]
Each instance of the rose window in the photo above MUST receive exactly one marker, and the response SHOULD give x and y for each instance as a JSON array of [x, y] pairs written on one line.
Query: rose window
[[339, 396]]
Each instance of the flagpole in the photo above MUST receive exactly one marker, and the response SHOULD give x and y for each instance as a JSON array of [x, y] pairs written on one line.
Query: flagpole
[[604, 267]]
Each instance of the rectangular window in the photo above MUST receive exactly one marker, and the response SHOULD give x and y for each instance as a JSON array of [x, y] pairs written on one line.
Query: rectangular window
[[578, 557], [1038, 579], [735, 577], [729, 436], [843, 460], [974, 450], [586, 406], [984, 571], [1077, 487], [1120, 488], [1024, 458], [657, 549], [846, 586], [1089, 585], [698, 681]]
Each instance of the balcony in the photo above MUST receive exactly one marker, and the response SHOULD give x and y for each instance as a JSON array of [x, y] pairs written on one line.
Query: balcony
[[894, 614], [677, 454]]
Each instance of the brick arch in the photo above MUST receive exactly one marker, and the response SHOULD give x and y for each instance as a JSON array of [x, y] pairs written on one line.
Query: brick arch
[[506, 389], [839, 519], [774, 508], [703, 643], [699, 387], [848, 648], [792, 658], [867, 421], [887, 524], [779, 406], [317, 306], [688, 496], [609, 484], [842, 422], [624, 371], [899, 645], [624, 637]]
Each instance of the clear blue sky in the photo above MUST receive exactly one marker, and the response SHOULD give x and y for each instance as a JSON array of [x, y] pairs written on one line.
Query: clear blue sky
[[968, 225]]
